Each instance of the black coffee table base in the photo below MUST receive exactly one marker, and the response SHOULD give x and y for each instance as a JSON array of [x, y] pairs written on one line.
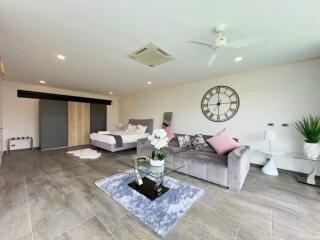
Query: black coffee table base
[[149, 188]]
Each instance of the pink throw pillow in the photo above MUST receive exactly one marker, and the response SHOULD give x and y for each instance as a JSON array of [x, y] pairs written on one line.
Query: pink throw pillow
[[223, 142], [170, 133]]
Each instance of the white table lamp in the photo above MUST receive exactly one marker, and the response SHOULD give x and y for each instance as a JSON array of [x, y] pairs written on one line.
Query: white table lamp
[[270, 136]]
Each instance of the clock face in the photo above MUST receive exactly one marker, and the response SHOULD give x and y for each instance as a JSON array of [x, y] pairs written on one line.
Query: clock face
[[220, 103]]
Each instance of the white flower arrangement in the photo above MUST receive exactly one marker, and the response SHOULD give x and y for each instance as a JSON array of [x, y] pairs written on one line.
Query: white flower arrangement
[[159, 140]]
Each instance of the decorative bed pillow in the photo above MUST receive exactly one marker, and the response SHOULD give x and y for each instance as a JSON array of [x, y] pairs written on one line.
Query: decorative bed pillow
[[223, 142], [131, 128], [141, 128], [184, 141], [198, 142], [170, 133]]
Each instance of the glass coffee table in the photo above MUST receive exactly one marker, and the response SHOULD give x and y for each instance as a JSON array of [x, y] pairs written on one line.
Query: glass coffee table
[[148, 179]]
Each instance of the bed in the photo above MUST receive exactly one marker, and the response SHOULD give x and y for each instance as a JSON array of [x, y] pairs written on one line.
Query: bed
[[129, 139]]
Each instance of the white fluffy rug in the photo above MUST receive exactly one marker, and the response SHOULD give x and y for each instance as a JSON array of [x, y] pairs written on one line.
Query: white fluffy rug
[[85, 153]]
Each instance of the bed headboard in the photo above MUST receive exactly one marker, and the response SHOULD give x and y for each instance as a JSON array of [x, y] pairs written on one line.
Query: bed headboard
[[144, 122]]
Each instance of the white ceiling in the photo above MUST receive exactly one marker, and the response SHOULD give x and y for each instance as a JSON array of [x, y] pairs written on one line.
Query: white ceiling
[[96, 36]]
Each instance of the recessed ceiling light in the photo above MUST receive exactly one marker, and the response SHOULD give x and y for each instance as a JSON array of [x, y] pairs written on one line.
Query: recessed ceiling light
[[61, 57], [149, 83], [111, 93], [238, 59], [42, 82]]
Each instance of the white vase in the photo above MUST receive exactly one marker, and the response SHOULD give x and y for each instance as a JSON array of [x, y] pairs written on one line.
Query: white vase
[[156, 163], [311, 150], [157, 170]]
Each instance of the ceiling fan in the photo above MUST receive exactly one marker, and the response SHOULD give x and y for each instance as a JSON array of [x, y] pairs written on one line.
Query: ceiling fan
[[221, 42]]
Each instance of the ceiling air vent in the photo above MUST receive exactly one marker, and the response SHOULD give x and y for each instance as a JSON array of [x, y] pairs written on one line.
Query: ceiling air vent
[[151, 55]]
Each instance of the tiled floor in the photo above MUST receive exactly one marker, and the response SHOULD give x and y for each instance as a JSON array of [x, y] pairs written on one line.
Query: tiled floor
[[51, 195]]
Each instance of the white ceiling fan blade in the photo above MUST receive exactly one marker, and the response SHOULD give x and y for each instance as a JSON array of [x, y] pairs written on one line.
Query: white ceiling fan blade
[[212, 59], [209, 45], [246, 42]]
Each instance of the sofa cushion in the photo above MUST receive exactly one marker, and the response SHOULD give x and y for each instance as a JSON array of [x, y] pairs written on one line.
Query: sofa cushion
[[223, 142], [185, 141], [193, 154], [198, 142], [173, 150]]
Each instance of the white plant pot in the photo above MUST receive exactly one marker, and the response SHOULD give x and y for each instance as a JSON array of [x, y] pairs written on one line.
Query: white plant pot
[[156, 163], [311, 150], [157, 170]]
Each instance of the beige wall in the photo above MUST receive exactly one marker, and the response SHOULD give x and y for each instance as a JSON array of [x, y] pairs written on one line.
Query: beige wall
[[21, 115], [280, 94]]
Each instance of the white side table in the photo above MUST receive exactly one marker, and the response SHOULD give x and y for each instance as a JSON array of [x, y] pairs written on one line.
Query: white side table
[[270, 168], [311, 177]]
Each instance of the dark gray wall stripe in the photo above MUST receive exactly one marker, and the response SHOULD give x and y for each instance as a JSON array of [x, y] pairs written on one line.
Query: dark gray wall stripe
[[59, 97]]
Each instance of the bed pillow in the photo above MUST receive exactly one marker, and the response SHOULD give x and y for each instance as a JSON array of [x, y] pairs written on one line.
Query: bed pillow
[[103, 132], [131, 128], [141, 128], [169, 132], [184, 141], [198, 142], [223, 142]]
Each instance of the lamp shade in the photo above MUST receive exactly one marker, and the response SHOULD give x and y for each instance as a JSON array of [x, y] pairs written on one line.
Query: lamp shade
[[270, 135]]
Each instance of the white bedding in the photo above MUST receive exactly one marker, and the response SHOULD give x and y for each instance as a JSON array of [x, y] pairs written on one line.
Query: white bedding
[[127, 137]]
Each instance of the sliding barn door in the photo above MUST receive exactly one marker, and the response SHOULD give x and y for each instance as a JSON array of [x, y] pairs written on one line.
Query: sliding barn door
[[53, 124], [79, 123]]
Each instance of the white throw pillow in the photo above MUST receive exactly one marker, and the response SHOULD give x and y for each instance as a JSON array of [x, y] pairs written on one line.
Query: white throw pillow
[[131, 128], [141, 128]]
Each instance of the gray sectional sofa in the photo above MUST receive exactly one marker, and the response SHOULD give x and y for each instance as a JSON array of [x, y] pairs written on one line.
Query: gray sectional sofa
[[228, 170]]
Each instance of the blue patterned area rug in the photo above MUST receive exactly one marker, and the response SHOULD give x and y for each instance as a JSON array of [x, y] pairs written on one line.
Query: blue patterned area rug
[[160, 214]]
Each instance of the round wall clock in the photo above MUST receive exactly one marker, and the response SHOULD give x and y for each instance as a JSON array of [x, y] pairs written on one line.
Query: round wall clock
[[220, 103]]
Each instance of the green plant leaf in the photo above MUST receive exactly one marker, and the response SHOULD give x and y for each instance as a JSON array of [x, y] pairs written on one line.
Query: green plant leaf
[[309, 127]]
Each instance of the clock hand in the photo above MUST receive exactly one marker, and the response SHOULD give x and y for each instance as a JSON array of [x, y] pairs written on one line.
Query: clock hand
[[215, 108], [219, 103]]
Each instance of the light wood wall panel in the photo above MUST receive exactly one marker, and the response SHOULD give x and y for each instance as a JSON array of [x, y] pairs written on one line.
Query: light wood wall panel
[[79, 123]]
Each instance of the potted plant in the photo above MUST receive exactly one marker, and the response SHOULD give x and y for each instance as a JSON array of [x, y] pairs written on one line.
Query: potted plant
[[309, 127], [159, 140]]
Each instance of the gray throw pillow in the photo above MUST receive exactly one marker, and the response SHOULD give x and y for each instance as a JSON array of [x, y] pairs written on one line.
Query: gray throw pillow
[[198, 142], [184, 141]]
